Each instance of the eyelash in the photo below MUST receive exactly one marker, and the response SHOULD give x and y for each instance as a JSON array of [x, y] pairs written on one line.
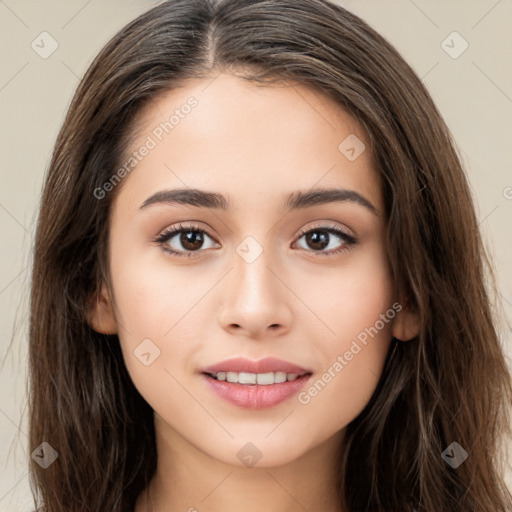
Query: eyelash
[[169, 233]]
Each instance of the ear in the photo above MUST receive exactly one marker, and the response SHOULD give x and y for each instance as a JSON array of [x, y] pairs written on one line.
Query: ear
[[100, 315], [406, 324]]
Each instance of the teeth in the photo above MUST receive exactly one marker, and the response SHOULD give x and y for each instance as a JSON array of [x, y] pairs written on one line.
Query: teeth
[[280, 377], [263, 379], [247, 378]]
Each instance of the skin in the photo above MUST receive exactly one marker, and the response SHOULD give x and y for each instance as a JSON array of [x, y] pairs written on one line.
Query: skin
[[255, 145]]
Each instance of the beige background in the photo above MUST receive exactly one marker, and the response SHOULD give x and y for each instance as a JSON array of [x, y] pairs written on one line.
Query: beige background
[[473, 92]]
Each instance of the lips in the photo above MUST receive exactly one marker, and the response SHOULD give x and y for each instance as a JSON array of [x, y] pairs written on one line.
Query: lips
[[266, 365]]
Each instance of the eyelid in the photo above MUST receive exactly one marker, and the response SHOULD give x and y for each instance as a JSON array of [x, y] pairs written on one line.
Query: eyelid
[[326, 225], [185, 227]]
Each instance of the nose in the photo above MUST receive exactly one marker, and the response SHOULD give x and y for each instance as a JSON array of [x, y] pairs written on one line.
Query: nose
[[255, 302]]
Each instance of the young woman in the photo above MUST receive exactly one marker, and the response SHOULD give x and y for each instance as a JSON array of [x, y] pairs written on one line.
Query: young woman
[[258, 279]]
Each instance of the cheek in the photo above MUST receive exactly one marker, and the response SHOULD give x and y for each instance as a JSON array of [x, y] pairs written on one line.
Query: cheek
[[152, 295], [155, 310], [359, 315], [351, 297]]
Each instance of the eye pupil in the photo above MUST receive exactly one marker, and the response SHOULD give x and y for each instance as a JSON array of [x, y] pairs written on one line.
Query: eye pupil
[[188, 238], [318, 237]]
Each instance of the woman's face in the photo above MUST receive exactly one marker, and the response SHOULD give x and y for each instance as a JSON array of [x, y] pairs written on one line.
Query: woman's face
[[259, 272]]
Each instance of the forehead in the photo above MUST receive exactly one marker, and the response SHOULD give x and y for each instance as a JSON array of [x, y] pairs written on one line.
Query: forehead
[[230, 102], [225, 132]]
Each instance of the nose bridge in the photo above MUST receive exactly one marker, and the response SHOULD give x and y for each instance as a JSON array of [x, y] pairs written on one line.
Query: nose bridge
[[254, 284], [253, 298]]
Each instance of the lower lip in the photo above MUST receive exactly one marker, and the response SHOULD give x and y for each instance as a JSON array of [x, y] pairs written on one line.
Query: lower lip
[[256, 396]]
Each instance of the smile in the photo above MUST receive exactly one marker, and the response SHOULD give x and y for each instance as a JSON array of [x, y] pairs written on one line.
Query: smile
[[255, 390]]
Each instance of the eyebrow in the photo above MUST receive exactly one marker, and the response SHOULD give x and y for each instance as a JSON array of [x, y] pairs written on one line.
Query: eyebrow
[[296, 200]]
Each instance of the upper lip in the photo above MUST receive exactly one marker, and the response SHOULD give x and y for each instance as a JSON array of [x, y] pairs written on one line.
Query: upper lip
[[266, 365]]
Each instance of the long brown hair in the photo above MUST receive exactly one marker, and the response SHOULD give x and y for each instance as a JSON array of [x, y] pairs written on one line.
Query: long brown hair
[[449, 384]]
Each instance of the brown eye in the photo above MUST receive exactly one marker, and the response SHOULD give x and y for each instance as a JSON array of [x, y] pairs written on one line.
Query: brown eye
[[185, 240], [191, 240], [326, 237]]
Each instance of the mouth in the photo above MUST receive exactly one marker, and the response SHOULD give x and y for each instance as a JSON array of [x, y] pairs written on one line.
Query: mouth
[[255, 391], [255, 384]]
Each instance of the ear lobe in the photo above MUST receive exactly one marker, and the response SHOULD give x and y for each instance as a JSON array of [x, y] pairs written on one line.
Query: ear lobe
[[100, 315], [406, 324]]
